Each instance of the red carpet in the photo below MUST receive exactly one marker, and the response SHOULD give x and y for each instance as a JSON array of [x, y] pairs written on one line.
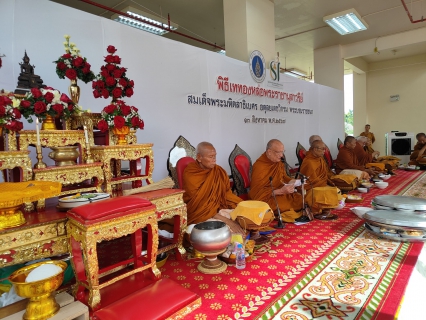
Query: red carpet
[[284, 278]]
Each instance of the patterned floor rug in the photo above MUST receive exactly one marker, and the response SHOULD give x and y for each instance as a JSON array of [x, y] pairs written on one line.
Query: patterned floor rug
[[320, 270]]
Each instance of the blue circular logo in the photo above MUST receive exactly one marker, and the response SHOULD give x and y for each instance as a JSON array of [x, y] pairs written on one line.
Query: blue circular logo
[[257, 66]]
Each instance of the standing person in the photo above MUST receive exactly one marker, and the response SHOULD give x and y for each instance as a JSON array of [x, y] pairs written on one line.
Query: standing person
[[369, 135]]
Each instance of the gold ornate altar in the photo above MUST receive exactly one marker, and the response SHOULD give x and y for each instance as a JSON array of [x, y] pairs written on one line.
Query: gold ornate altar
[[111, 156], [17, 159]]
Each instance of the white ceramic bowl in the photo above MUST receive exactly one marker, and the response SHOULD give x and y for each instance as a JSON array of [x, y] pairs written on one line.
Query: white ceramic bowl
[[382, 185], [384, 177], [363, 190], [366, 184], [360, 211]]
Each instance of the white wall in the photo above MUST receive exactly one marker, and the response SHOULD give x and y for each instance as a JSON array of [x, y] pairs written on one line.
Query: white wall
[[406, 77], [165, 72]]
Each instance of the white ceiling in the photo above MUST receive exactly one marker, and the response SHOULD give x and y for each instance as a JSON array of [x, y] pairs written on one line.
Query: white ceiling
[[299, 26]]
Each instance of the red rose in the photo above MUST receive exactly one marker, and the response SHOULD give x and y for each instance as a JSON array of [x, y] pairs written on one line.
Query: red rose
[[135, 109], [48, 96], [141, 124], [88, 65], [111, 49], [16, 113], [14, 126], [110, 67], [85, 70], [135, 122], [39, 107], [61, 65], [117, 93], [129, 92], [122, 82], [131, 83], [117, 59], [36, 93], [64, 98], [25, 104], [59, 108], [67, 56], [71, 107], [5, 100], [105, 93], [117, 73], [119, 122], [71, 74], [125, 110], [110, 81], [78, 62], [109, 59], [110, 109], [96, 94], [103, 125], [101, 84], [2, 111], [105, 73]]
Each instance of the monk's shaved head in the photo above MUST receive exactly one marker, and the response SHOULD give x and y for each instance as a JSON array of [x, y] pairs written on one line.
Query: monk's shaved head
[[314, 138], [202, 147], [317, 144], [349, 139], [420, 135], [361, 139], [272, 143]]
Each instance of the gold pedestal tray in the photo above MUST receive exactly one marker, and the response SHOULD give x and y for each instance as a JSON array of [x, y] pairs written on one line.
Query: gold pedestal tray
[[42, 303]]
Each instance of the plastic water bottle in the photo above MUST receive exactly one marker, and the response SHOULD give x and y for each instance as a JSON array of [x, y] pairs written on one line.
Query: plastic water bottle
[[240, 261]]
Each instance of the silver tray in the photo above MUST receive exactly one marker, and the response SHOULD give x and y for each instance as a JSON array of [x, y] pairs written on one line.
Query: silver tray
[[395, 238], [401, 202], [397, 218]]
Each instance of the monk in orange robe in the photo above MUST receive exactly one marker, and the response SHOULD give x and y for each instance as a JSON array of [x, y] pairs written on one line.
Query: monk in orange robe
[[419, 149], [347, 158], [268, 166], [370, 136], [207, 189]]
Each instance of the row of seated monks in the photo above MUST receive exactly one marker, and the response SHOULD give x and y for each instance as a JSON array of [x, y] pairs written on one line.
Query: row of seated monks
[[419, 150], [208, 194]]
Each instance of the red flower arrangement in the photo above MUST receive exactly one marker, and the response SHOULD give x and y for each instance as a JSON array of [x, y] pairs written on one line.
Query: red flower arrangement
[[119, 115], [112, 80], [9, 113], [47, 102], [72, 65]]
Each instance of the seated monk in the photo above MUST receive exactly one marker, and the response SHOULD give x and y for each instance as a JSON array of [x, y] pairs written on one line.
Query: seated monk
[[322, 194], [368, 159], [269, 166], [419, 150], [207, 190], [347, 159], [311, 140]]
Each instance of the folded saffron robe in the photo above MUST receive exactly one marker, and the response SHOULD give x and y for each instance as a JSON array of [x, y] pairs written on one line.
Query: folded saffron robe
[[260, 188], [206, 192], [347, 159]]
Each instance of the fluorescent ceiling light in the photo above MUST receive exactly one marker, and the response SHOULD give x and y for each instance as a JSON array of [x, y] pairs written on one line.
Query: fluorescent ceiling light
[[156, 25], [346, 22]]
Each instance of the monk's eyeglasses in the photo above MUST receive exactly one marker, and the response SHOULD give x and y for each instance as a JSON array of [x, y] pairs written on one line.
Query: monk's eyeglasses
[[278, 152], [320, 148]]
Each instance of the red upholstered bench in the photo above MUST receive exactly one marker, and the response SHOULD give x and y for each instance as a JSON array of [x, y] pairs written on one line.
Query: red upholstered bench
[[103, 221], [163, 299]]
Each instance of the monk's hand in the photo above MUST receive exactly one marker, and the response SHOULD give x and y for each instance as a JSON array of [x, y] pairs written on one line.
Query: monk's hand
[[375, 154], [285, 189], [234, 226]]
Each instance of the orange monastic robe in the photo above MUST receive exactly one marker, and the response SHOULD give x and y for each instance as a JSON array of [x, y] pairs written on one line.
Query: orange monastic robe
[[206, 192], [316, 169], [261, 190], [370, 136], [346, 159], [363, 156], [415, 153]]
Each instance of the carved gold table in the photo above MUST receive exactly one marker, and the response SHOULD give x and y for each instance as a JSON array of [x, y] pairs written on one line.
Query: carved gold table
[[169, 203], [17, 159], [111, 155], [104, 221], [73, 175], [43, 235]]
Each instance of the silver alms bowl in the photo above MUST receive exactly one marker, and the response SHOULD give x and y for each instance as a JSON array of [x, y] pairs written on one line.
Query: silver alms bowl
[[210, 236]]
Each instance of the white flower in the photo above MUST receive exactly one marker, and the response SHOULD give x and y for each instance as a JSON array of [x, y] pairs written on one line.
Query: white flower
[[15, 102], [67, 36]]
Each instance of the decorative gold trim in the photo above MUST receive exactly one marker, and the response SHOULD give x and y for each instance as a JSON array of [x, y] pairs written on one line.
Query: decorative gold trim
[[20, 159], [180, 314]]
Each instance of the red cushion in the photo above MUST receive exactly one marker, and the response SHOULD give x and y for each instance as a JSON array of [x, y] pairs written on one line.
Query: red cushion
[[180, 168], [109, 209], [302, 154], [158, 300], [327, 156], [243, 166]]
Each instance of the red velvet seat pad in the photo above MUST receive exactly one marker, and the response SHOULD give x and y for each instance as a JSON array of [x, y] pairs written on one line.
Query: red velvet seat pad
[[158, 300], [327, 156], [109, 209], [243, 166], [180, 168]]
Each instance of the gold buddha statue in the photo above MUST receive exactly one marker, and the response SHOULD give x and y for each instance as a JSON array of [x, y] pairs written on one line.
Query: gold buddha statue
[[27, 79]]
